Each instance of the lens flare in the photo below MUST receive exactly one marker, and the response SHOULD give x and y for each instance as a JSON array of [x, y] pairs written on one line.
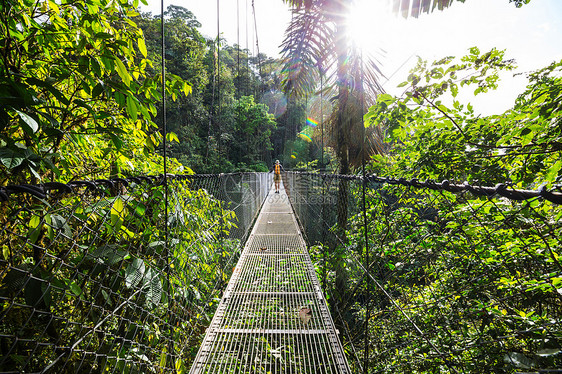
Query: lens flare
[[305, 137], [276, 102], [311, 122]]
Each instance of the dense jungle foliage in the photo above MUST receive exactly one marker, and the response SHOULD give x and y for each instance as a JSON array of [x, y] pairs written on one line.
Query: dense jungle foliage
[[436, 136], [80, 98], [117, 274], [479, 276], [81, 95]]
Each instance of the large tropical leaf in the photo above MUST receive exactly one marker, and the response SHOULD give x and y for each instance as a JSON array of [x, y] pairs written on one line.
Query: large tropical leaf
[[408, 8], [306, 50]]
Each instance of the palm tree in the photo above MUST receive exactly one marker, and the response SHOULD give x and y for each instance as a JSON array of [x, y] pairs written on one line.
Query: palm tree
[[316, 43]]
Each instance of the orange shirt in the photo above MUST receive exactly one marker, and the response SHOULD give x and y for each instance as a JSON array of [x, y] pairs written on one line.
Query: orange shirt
[[277, 169]]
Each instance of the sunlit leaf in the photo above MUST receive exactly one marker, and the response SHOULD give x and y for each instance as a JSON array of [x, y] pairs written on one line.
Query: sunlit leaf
[[122, 71], [142, 46], [132, 108], [29, 124], [134, 273]]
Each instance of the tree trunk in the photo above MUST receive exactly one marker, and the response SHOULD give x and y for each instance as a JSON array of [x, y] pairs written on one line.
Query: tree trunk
[[342, 147]]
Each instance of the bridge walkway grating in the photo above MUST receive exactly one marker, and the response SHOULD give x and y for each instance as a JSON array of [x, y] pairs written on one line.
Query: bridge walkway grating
[[257, 327]]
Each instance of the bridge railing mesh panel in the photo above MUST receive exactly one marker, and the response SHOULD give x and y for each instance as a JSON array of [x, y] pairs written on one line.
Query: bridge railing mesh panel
[[95, 277], [457, 278]]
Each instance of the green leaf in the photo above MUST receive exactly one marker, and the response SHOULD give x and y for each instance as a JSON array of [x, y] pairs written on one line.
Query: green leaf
[[180, 369], [157, 246], [527, 136], [117, 214], [60, 223], [163, 357], [546, 352], [552, 172], [95, 66], [172, 137], [106, 297], [123, 72], [98, 89], [11, 158], [83, 104], [103, 35], [117, 142], [134, 273], [132, 108], [75, 288], [154, 292], [54, 7], [49, 87], [29, 124], [120, 99], [142, 46], [385, 98], [109, 254], [34, 229], [50, 130], [443, 108], [186, 89], [144, 112]]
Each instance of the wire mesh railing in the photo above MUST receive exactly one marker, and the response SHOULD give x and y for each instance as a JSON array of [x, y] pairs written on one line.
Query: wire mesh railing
[[96, 277], [455, 278]]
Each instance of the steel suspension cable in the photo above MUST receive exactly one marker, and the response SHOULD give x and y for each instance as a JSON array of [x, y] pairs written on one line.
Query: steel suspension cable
[[238, 42], [211, 110], [321, 117], [165, 181], [257, 40], [219, 78], [321, 167], [247, 81], [365, 221]]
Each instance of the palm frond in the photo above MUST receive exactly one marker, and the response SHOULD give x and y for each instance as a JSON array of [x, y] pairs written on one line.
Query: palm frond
[[307, 48], [414, 8]]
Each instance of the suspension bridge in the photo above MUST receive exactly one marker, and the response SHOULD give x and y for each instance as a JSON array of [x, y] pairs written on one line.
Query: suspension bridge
[[226, 276], [273, 317]]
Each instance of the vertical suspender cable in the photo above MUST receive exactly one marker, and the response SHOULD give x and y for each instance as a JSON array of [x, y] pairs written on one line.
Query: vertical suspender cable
[[325, 274], [219, 78], [165, 156], [238, 96], [211, 109], [365, 221], [257, 41], [304, 127], [238, 42], [321, 117], [247, 85]]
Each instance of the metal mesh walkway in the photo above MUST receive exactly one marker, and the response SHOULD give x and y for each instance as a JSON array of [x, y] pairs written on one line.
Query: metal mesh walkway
[[262, 324]]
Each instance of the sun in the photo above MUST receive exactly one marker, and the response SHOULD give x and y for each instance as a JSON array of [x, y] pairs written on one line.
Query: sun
[[370, 24]]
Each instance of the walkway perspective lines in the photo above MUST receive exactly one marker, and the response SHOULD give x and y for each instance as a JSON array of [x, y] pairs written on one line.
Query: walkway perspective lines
[[273, 317]]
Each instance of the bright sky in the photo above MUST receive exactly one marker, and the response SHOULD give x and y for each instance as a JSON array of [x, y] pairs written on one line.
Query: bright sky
[[272, 17], [532, 35]]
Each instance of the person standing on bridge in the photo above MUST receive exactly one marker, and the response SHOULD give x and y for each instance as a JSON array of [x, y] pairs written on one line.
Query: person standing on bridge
[[277, 175]]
